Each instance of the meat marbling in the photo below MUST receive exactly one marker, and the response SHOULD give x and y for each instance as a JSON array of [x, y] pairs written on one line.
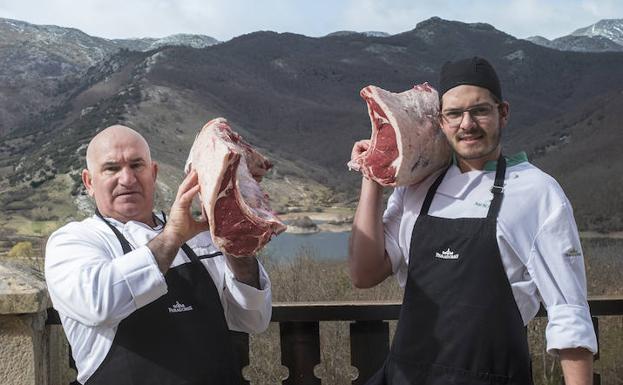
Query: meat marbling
[[407, 144], [229, 169]]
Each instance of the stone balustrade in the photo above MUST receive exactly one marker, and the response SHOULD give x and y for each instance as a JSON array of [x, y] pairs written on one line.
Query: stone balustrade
[[34, 351], [31, 352]]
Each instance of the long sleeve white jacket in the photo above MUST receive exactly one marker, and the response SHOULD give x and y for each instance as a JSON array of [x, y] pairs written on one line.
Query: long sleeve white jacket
[[536, 234], [94, 286]]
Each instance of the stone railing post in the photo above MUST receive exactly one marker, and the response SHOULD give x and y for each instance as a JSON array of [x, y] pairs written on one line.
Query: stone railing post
[[23, 337]]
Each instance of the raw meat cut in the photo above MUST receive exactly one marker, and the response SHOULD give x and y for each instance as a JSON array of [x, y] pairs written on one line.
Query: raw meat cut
[[407, 143], [229, 169]]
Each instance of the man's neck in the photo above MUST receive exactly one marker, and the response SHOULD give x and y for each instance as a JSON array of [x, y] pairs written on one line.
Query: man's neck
[[149, 221], [467, 165], [477, 164]]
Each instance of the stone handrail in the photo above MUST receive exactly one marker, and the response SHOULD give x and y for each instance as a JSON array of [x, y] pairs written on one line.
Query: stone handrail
[[24, 338]]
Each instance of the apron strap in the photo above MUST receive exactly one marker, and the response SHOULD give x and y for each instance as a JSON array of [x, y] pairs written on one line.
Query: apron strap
[[431, 193], [125, 245], [190, 253], [497, 189]]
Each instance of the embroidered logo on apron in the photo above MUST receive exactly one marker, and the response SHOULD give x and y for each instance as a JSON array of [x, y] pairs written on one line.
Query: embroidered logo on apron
[[447, 254], [572, 252], [179, 307]]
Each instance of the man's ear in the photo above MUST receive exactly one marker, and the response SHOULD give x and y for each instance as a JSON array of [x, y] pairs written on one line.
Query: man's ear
[[505, 112], [154, 169], [86, 181]]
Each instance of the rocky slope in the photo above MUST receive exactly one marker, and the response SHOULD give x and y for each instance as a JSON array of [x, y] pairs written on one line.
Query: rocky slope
[[579, 43], [41, 64]]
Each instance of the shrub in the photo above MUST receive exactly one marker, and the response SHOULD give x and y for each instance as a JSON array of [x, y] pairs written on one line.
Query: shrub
[[21, 250], [42, 214], [19, 205]]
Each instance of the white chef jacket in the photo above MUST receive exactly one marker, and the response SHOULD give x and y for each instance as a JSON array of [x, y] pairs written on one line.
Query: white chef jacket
[[536, 234], [94, 286]]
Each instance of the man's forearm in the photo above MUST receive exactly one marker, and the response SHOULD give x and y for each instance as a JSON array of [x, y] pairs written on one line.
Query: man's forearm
[[577, 366], [367, 261], [164, 247]]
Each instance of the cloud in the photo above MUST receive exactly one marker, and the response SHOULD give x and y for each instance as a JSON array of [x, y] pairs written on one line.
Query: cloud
[[105, 18], [224, 19], [141, 18], [388, 16], [552, 19], [603, 9], [520, 18]]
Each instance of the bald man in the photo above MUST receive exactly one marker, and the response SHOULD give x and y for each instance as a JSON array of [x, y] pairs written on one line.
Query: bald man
[[144, 299]]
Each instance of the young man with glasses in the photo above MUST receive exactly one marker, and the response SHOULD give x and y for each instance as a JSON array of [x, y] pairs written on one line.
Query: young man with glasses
[[478, 246]]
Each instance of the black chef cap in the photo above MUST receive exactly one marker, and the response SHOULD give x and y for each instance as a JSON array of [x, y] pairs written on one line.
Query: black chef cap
[[474, 71]]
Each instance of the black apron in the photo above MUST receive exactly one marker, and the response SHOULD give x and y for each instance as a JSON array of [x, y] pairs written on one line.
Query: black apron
[[459, 322], [180, 338]]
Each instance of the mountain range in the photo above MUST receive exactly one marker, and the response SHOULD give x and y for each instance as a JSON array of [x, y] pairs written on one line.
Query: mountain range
[[294, 97], [604, 36], [39, 63]]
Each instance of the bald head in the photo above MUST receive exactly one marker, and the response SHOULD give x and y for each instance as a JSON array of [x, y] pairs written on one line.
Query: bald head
[[111, 137], [120, 174]]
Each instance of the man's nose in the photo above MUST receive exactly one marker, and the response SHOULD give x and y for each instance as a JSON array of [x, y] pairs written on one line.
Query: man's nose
[[127, 176], [467, 121]]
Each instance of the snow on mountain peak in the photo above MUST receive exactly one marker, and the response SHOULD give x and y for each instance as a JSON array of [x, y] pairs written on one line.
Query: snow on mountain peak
[[608, 28]]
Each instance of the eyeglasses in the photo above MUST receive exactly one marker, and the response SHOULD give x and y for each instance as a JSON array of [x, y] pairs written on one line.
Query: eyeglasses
[[479, 113]]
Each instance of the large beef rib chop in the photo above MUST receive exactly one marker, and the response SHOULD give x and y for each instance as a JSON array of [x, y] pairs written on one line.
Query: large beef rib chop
[[229, 169], [407, 143]]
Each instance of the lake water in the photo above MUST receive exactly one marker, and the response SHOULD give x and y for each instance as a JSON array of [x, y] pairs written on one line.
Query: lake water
[[334, 246], [321, 245]]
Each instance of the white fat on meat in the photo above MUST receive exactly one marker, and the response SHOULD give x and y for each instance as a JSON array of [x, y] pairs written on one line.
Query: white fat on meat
[[407, 143], [229, 170]]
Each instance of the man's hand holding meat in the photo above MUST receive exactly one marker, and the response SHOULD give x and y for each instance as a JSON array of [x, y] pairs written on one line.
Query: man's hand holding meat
[[180, 226]]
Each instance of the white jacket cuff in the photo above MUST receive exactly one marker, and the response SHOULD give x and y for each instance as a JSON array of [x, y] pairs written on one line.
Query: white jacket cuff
[[141, 273], [569, 326], [248, 297]]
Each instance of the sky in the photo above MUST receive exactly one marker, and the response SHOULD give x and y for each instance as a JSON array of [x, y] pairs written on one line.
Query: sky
[[225, 19]]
